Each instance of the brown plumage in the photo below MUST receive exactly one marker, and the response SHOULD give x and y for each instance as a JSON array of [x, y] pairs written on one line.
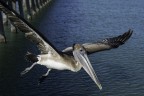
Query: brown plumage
[[105, 44]]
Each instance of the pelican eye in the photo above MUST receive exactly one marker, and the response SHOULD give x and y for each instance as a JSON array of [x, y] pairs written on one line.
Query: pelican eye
[[81, 50]]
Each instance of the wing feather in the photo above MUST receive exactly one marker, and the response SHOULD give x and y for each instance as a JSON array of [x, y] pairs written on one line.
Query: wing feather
[[105, 44]]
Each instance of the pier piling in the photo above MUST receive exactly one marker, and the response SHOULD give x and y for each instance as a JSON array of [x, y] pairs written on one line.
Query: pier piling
[[26, 8], [12, 6], [21, 11], [2, 34]]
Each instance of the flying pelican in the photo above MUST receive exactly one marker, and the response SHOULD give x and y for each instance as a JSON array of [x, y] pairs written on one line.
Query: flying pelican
[[72, 58]]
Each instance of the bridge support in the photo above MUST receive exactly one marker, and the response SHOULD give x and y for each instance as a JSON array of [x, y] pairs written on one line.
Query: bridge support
[[31, 7], [2, 34]]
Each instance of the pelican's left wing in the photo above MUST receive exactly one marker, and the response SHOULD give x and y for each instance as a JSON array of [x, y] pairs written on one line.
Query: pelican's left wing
[[105, 44], [30, 32]]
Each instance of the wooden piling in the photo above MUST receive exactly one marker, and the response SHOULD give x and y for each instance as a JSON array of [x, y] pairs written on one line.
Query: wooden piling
[[37, 5], [21, 7], [33, 6], [29, 12], [2, 34], [44, 1], [11, 5], [40, 6], [40, 1]]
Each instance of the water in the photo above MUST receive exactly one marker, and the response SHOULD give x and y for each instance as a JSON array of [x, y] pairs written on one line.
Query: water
[[64, 22]]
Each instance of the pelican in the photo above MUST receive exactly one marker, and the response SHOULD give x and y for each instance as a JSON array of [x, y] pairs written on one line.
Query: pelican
[[72, 58]]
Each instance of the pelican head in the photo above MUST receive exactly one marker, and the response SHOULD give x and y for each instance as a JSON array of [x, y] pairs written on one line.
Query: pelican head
[[81, 57]]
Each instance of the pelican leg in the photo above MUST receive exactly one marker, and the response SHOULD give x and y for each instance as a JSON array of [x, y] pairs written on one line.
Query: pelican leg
[[43, 77], [28, 69]]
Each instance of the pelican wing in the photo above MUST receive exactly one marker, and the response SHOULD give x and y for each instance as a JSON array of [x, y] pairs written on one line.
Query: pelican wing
[[105, 44], [30, 32]]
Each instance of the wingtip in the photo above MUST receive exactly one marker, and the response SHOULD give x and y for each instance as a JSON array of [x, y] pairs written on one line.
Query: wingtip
[[126, 35], [130, 32]]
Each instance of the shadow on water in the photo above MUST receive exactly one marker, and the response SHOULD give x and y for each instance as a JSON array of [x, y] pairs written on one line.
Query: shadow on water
[[64, 22]]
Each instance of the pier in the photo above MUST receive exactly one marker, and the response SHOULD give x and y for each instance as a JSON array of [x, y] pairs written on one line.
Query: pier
[[26, 8]]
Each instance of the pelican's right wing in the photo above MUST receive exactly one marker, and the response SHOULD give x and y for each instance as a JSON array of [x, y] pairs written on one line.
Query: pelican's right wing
[[105, 44], [30, 32]]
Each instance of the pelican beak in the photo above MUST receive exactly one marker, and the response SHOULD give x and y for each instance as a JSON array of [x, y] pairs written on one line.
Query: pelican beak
[[82, 58]]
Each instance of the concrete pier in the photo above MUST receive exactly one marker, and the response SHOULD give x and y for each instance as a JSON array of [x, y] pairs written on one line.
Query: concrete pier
[[26, 8], [2, 35], [12, 5], [21, 11]]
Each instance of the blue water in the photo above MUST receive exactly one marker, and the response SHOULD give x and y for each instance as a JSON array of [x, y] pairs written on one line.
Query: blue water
[[64, 22]]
